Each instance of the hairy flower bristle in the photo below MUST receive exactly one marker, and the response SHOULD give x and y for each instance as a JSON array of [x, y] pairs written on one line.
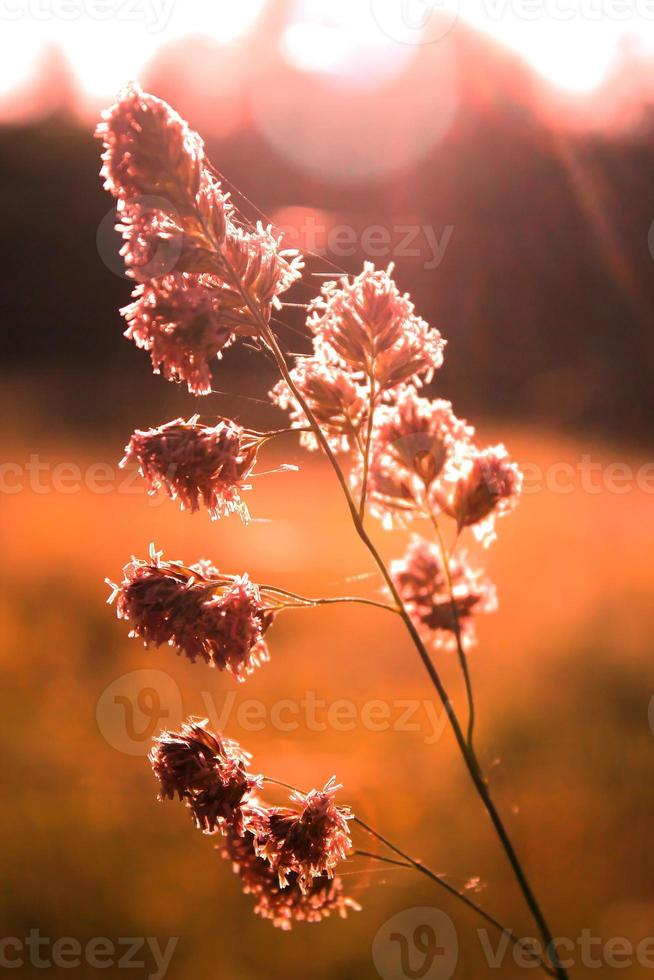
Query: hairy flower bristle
[[196, 463]]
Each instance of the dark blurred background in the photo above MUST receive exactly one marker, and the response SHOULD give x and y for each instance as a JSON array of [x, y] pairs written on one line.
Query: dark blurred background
[[510, 180], [538, 268]]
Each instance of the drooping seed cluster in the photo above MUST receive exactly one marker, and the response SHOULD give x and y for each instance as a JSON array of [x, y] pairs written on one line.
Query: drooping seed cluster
[[285, 857], [219, 619], [207, 772], [288, 904], [308, 842]]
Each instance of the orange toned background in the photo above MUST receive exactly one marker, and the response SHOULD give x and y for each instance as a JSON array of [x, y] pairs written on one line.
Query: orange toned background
[[545, 295], [563, 674]]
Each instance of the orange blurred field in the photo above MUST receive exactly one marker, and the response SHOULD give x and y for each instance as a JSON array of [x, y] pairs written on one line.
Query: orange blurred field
[[564, 677]]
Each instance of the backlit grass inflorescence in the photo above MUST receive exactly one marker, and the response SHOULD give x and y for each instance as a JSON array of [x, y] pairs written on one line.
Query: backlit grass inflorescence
[[205, 278]]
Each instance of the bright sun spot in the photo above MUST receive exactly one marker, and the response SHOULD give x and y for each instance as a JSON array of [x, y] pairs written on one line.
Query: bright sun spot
[[341, 38], [559, 39]]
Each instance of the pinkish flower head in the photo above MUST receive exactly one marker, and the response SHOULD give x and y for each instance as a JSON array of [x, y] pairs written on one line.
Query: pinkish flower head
[[180, 323], [416, 443], [148, 149], [204, 278], [206, 771], [195, 462], [336, 400], [220, 619], [373, 329], [284, 906], [309, 842], [421, 581], [489, 488]]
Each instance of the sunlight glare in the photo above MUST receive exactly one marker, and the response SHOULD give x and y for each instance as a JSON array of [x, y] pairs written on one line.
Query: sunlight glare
[[342, 39]]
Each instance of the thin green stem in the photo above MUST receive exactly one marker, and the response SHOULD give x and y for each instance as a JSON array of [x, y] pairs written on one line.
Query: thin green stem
[[469, 756]]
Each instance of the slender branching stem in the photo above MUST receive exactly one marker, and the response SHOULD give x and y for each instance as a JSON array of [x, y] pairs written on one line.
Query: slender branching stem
[[278, 432], [303, 602], [366, 451], [469, 756], [411, 863], [358, 852], [463, 659]]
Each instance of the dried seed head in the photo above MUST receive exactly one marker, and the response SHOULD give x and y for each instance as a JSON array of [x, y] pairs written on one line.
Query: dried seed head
[[148, 149], [204, 278], [308, 842], [422, 583], [284, 906], [158, 239], [489, 488], [207, 772], [334, 397], [195, 463], [180, 323], [220, 619], [373, 329], [417, 443]]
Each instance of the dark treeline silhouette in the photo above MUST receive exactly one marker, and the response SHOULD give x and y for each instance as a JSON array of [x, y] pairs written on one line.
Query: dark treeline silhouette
[[545, 290]]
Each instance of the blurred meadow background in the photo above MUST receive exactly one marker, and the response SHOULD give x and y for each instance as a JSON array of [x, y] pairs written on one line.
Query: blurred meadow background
[[518, 157]]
